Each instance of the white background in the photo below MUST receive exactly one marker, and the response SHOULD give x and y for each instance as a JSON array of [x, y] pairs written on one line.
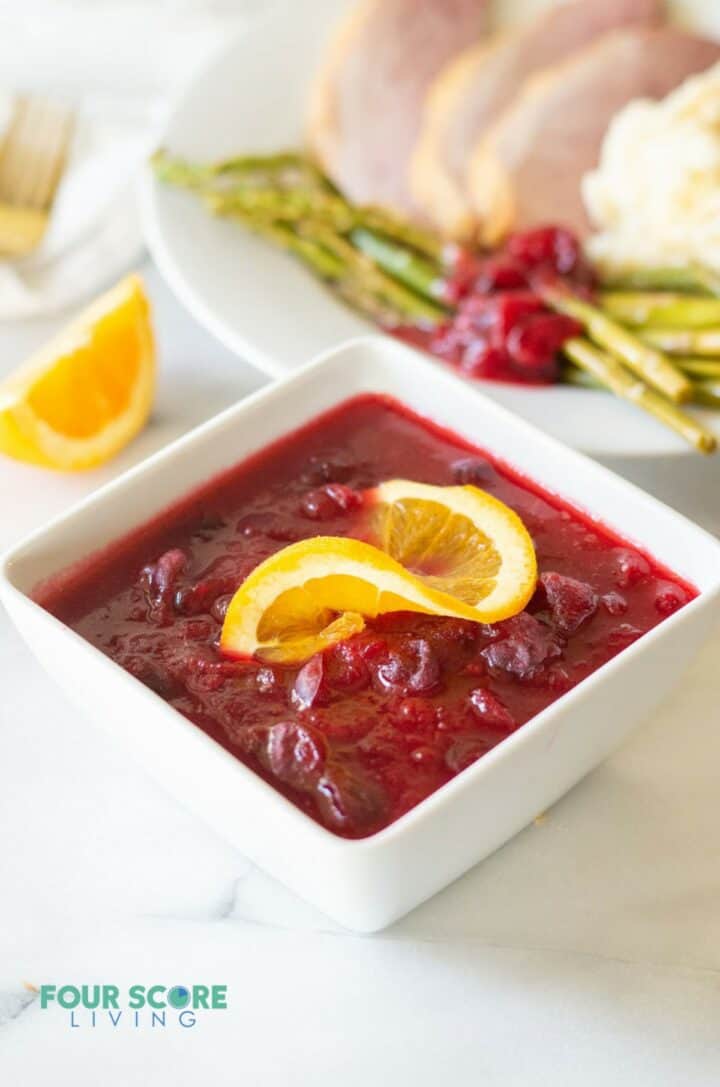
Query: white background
[[587, 951]]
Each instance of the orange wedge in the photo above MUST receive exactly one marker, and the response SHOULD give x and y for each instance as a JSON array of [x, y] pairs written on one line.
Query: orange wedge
[[88, 392], [453, 551]]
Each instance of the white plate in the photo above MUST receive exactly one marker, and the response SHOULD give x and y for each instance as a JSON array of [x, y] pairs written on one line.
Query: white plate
[[261, 303]]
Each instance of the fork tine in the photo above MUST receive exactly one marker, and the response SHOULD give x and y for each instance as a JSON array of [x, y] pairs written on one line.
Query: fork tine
[[35, 153], [18, 157], [32, 160], [64, 133], [44, 142], [9, 175], [51, 161], [24, 148]]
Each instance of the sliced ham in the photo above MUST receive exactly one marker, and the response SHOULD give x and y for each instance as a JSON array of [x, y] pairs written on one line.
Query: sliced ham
[[473, 90], [367, 101], [529, 167]]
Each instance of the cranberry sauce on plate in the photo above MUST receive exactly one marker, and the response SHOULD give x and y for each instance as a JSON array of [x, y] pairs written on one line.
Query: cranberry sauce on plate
[[359, 735], [499, 327]]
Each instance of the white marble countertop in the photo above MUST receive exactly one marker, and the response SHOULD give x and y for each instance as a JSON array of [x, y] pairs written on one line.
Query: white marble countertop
[[585, 951]]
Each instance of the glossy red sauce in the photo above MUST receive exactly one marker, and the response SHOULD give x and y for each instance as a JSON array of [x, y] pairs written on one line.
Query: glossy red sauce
[[357, 737], [498, 328]]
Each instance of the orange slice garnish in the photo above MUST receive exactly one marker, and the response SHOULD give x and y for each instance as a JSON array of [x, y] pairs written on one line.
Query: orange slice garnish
[[453, 551]]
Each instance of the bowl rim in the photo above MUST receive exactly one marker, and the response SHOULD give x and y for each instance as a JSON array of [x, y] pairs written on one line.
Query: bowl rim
[[259, 401]]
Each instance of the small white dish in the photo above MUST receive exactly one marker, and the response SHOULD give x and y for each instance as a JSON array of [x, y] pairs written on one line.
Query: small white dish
[[366, 884], [260, 302]]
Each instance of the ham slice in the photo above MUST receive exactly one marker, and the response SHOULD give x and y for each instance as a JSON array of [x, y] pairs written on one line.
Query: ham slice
[[473, 90], [529, 167], [367, 101]]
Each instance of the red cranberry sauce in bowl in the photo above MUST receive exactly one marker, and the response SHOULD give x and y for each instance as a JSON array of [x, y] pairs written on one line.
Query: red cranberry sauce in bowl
[[359, 735]]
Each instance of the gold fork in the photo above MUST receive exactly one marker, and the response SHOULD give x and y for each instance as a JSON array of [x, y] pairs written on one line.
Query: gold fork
[[33, 154]]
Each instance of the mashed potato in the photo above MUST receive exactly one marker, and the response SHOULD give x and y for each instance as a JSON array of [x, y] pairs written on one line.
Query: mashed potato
[[655, 197]]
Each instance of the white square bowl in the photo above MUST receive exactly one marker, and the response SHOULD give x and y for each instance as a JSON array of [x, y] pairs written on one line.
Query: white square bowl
[[367, 884]]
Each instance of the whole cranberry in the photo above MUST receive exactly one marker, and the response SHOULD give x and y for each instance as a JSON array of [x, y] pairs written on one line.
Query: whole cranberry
[[490, 710], [392, 674], [309, 688], [500, 274], [329, 501], [160, 580], [413, 669], [424, 756], [534, 343], [507, 310], [370, 646], [614, 603], [425, 676], [345, 498], [346, 667], [546, 245], [669, 597], [199, 598], [349, 800], [464, 751], [571, 601], [294, 753], [631, 567], [481, 360], [318, 505], [523, 646], [336, 468], [451, 634], [416, 713], [475, 470]]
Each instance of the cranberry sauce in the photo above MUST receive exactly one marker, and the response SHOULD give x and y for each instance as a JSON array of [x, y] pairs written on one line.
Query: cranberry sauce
[[359, 735], [499, 327]]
